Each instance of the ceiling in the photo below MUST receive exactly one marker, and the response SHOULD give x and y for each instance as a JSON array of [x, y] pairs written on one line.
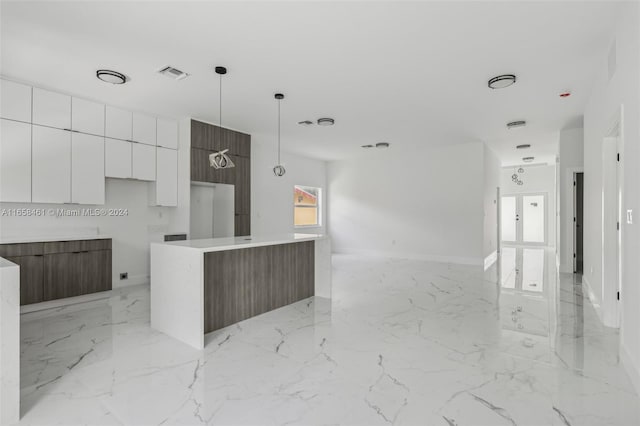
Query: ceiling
[[413, 74]]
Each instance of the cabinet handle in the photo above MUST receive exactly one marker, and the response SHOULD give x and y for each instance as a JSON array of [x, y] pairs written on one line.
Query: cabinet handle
[[76, 252], [38, 255]]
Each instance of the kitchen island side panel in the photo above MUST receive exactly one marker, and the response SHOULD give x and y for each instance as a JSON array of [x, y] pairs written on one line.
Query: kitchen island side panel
[[240, 284]]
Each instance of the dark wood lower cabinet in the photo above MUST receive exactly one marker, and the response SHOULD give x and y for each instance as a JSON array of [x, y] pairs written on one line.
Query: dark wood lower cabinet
[[31, 278], [240, 284], [76, 273], [58, 269]]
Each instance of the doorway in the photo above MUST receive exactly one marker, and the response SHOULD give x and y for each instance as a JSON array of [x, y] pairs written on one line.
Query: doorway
[[523, 219], [578, 221]]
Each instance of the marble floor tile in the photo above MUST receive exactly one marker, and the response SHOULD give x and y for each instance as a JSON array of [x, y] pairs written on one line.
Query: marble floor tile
[[403, 342]]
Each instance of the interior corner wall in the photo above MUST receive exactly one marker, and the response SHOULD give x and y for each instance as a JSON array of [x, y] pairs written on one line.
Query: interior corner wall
[[608, 94], [424, 203], [491, 182], [571, 156], [536, 179], [272, 196]]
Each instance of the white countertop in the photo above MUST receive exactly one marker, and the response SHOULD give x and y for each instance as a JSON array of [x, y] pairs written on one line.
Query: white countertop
[[233, 243], [4, 263], [48, 238]]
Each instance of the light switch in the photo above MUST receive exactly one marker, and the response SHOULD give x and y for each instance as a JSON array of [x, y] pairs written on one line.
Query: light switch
[[629, 217]]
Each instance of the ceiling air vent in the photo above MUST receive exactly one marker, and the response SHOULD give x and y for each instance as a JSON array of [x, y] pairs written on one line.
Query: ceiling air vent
[[173, 73]]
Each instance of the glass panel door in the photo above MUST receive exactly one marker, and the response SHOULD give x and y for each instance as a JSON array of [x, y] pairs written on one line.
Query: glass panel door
[[509, 219], [523, 219], [533, 213]]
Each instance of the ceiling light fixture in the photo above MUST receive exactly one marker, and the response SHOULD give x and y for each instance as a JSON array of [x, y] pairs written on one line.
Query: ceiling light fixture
[[113, 77], [305, 123], [220, 160], [523, 146], [527, 159], [382, 145], [367, 146], [514, 124], [502, 81], [279, 169], [565, 94], [326, 121]]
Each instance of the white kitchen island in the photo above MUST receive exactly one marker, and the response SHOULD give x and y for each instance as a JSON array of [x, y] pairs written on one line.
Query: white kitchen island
[[198, 286]]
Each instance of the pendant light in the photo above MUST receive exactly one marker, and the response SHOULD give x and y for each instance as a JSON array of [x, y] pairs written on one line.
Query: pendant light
[[220, 160], [279, 169]]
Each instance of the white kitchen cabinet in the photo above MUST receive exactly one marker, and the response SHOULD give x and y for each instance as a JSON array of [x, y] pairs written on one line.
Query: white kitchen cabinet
[[167, 133], [87, 169], [51, 109], [16, 101], [51, 165], [15, 161], [144, 129], [118, 123], [144, 161], [87, 116], [117, 158], [165, 190]]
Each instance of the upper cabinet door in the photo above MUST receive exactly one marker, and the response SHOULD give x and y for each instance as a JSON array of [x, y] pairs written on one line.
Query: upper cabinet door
[[118, 123], [51, 165], [87, 117], [51, 109], [167, 133], [15, 161], [144, 162], [15, 102], [167, 177], [87, 169], [117, 158], [144, 129]]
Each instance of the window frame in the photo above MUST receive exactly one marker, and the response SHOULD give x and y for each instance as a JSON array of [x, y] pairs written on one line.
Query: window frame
[[318, 208]]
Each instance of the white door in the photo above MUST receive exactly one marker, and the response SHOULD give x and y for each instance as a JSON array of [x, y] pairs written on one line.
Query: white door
[[15, 101], [523, 219], [167, 133], [117, 123], [51, 109], [87, 169], [144, 162], [87, 117], [15, 161], [144, 129], [51, 165], [117, 161], [167, 177]]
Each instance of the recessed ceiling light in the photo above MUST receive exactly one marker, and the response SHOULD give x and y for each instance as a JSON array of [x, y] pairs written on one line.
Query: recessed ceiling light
[[173, 73], [326, 121], [502, 81], [367, 146], [527, 159], [514, 124], [305, 123], [565, 94], [523, 146], [113, 77], [382, 145]]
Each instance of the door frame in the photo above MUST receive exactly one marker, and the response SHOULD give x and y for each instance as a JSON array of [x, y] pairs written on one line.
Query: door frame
[[612, 260], [571, 179], [519, 196]]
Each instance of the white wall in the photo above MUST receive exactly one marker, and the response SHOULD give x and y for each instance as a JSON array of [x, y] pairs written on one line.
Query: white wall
[[421, 204], [131, 234], [603, 104], [272, 197], [491, 183], [537, 178], [571, 156]]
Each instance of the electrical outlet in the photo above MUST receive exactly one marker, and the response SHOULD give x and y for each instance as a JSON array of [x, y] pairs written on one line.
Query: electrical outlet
[[124, 275], [630, 217]]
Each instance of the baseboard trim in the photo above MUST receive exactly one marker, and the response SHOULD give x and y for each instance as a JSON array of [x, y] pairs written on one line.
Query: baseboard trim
[[630, 366], [490, 260], [595, 302], [412, 256]]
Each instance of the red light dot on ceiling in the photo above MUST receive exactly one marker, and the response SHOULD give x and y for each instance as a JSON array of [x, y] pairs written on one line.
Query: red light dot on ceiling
[[565, 94]]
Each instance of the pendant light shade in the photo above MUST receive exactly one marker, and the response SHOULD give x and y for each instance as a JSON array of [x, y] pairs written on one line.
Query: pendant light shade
[[220, 160], [279, 169]]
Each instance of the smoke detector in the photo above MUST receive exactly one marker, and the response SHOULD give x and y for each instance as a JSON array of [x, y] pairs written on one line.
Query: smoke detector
[[173, 73]]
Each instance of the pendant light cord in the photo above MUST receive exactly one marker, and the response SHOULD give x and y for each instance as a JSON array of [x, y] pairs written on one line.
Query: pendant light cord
[[220, 105], [279, 131]]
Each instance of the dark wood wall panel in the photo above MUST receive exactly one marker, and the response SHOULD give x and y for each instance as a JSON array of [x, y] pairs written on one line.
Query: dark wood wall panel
[[207, 139], [243, 283], [31, 277]]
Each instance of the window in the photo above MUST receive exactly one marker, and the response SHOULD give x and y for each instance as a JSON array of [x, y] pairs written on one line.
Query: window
[[306, 206]]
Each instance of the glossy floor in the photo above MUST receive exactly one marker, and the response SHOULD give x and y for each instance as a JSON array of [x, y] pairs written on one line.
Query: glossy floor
[[404, 342]]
